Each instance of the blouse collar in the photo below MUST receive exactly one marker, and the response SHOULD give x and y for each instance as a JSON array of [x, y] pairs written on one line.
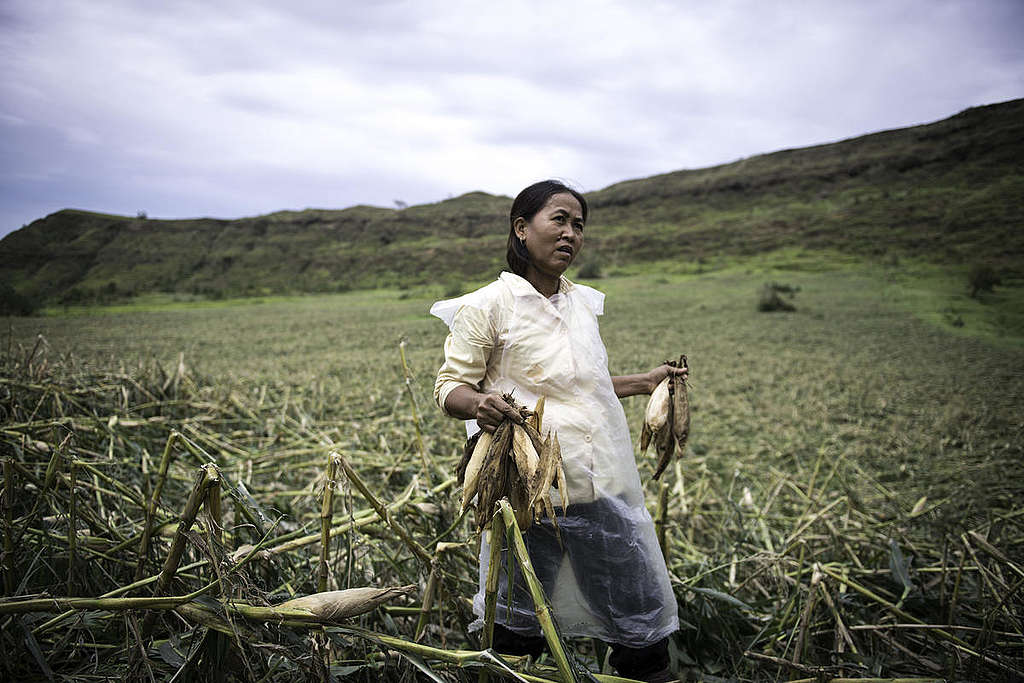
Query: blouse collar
[[520, 286]]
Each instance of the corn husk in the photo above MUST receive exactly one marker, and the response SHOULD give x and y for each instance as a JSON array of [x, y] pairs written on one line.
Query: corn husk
[[494, 476], [481, 445], [467, 455], [680, 411], [243, 551], [667, 419], [664, 444], [525, 453], [517, 464], [536, 418], [563, 487], [656, 415], [541, 499], [337, 605]]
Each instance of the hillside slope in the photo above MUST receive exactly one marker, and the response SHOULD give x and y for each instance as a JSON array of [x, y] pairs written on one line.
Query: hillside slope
[[946, 192]]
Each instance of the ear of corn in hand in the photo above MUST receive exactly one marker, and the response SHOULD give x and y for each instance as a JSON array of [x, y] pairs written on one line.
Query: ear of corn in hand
[[680, 410], [516, 463], [525, 454], [481, 445], [667, 418], [657, 414]]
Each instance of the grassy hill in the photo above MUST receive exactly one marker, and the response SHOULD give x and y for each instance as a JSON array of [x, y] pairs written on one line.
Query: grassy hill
[[946, 192]]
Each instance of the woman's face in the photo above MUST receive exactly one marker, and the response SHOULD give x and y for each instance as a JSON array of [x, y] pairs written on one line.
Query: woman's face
[[554, 236]]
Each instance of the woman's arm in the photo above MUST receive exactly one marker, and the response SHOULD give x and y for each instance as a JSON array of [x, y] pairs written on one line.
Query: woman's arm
[[466, 353], [645, 382]]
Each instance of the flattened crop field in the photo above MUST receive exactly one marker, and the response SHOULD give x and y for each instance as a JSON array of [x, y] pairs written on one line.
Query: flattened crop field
[[848, 505]]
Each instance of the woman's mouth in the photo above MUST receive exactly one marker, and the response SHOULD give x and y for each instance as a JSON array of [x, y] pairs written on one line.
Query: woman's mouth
[[565, 249]]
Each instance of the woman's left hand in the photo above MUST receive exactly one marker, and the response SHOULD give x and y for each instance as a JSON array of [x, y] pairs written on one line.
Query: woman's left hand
[[662, 371]]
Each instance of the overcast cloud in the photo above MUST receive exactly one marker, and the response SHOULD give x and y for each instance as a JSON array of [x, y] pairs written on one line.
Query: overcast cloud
[[229, 108]]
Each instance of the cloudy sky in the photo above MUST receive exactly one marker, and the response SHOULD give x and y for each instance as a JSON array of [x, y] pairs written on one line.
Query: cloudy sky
[[231, 108]]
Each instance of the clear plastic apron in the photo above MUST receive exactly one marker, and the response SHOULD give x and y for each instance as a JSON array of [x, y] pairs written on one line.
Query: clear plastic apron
[[607, 579]]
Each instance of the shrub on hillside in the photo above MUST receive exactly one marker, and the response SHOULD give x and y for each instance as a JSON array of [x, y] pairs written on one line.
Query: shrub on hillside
[[14, 303], [982, 278], [776, 297], [591, 270]]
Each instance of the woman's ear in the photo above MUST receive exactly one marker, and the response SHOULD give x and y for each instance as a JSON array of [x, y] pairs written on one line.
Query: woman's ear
[[519, 225]]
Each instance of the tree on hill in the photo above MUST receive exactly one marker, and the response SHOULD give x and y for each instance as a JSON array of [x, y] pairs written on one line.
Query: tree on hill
[[13, 302]]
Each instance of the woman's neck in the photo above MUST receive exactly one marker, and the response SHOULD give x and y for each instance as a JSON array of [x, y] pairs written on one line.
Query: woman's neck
[[548, 285]]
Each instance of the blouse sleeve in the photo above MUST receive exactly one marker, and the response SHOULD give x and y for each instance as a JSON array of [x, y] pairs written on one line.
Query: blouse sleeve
[[467, 351]]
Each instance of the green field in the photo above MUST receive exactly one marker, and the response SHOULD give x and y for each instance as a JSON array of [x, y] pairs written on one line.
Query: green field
[[854, 473]]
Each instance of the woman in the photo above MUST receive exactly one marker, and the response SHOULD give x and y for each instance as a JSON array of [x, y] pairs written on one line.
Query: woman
[[533, 333]]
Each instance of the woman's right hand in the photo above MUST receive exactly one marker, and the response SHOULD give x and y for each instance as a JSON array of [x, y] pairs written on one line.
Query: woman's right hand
[[489, 410]]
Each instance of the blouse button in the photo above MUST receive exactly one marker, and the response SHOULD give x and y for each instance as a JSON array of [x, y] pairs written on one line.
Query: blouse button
[[587, 438]]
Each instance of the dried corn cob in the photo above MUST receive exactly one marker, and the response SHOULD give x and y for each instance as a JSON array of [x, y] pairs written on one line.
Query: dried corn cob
[[667, 418], [335, 605], [481, 444], [514, 463], [657, 414], [680, 410]]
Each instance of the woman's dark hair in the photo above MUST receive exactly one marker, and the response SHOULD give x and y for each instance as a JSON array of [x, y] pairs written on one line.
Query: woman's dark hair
[[526, 205]]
